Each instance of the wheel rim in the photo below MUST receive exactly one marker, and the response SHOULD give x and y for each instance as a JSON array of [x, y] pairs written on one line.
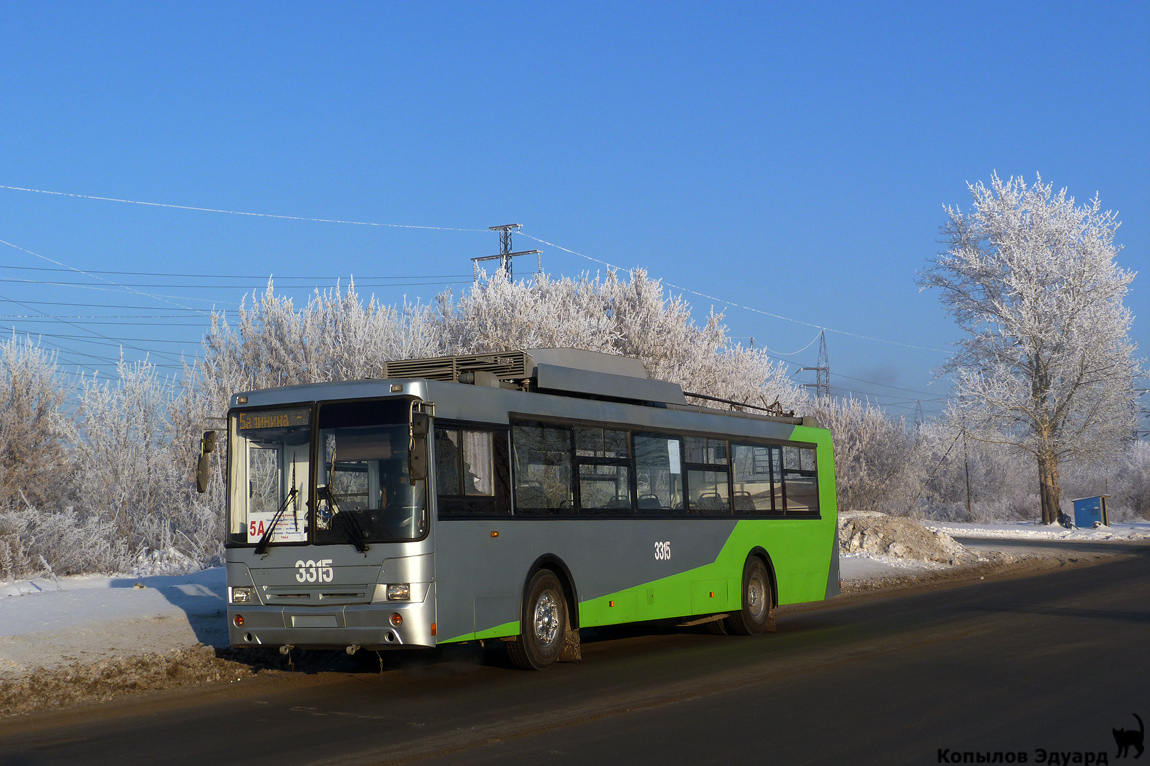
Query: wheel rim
[[756, 597], [546, 618]]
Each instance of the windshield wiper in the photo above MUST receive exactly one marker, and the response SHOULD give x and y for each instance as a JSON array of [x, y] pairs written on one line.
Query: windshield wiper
[[262, 545], [349, 522]]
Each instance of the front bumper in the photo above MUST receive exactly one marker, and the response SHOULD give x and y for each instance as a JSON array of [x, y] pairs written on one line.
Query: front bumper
[[370, 626]]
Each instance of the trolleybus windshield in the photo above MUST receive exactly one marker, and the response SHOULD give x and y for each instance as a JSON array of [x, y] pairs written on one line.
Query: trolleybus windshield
[[363, 491]]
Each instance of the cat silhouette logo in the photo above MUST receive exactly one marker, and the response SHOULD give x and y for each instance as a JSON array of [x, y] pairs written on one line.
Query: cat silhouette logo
[[1128, 738]]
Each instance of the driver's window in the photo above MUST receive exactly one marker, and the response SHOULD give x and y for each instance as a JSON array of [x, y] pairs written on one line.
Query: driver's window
[[364, 488]]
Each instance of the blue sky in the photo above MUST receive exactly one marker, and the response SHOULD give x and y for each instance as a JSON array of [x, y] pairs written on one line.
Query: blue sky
[[789, 158]]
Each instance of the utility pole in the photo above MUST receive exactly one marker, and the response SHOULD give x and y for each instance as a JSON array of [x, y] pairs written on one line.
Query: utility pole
[[966, 460], [505, 252], [822, 370]]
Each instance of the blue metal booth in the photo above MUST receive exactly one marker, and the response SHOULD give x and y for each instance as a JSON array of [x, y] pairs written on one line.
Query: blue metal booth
[[1091, 510]]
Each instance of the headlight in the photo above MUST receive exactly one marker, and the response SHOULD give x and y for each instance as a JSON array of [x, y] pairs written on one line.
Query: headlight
[[242, 595], [399, 592]]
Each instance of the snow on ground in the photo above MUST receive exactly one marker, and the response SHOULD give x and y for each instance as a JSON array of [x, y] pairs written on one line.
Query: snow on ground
[[874, 545], [1029, 530], [866, 566], [48, 622], [868, 540]]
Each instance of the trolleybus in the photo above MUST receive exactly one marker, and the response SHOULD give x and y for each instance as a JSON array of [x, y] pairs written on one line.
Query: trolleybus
[[517, 496]]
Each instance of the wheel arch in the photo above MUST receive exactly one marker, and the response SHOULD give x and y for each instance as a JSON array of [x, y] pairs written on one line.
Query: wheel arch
[[760, 553], [559, 567]]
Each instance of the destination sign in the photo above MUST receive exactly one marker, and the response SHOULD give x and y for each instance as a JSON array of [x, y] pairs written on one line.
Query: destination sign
[[251, 421]]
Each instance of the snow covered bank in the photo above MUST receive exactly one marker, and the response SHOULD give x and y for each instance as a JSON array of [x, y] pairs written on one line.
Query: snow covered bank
[[50, 622], [1029, 530], [874, 545]]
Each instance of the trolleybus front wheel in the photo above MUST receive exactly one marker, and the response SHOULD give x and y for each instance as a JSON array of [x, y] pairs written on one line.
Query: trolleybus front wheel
[[543, 625], [755, 615]]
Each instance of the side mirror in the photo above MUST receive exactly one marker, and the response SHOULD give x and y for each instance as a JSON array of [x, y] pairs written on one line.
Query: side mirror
[[417, 456], [204, 466]]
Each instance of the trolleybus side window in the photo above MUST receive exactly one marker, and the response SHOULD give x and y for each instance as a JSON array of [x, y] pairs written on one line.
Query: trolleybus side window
[[755, 483], [543, 457], [471, 471], [800, 479], [658, 473], [708, 476], [604, 470]]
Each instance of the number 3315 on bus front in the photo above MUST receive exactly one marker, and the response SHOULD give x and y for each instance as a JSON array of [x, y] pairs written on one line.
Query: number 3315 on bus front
[[663, 551], [313, 571]]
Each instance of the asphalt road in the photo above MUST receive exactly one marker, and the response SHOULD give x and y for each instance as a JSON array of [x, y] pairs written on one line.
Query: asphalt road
[[1053, 662]]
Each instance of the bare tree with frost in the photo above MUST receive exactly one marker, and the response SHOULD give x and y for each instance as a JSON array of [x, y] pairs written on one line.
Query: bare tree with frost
[[1047, 365]]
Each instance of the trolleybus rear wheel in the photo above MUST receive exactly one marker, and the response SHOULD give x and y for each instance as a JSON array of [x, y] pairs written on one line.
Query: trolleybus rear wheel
[[543, 625], [753, 618]]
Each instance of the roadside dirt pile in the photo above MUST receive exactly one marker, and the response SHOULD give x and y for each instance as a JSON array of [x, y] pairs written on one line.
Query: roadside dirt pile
[[111, 678], [877, 534]]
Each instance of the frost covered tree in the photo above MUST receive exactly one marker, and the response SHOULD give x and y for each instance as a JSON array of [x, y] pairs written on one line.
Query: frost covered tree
[[629, 317], [1047, 365], [337, 337], [33, 429]]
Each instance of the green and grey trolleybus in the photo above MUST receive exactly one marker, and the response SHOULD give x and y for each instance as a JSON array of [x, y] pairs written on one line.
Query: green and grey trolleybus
[[516, 496]]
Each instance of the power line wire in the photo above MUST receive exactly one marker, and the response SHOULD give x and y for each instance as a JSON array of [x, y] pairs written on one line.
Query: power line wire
[[93, 276], [93, 273], [81, 327], [232, 276], [249, 286], [238, 212], [450, 228], [739, 305]]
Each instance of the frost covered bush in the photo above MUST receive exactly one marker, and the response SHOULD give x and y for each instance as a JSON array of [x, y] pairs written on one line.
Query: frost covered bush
[[874, 469], [633, 317], [1125, 478], [111, 487], [33, 430], [131, 473], [126, 474], [999, 477], [337, 337], [35, 542]]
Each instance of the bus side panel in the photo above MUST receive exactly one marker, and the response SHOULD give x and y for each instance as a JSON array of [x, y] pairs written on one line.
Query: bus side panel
[[616, 570], [798, 552], [480, 578], [634, 569]]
